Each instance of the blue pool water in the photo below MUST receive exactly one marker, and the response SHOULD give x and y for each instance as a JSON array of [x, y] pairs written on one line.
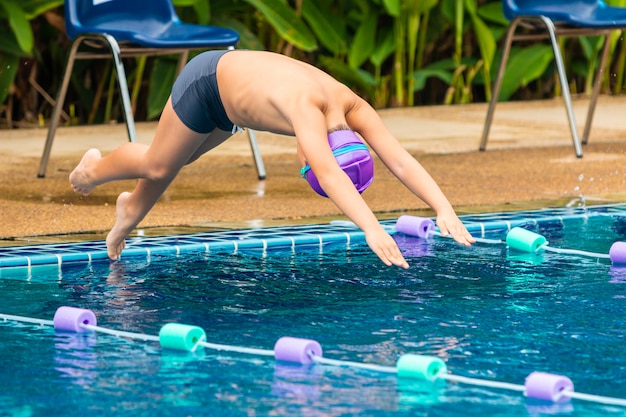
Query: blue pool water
[[487, 311]]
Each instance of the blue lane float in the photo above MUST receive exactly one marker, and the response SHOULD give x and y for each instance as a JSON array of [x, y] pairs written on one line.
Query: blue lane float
[[188, 338], [517, 238]]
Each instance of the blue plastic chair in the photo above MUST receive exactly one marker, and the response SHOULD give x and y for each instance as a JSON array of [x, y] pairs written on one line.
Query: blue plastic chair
[[128, 28], [552, 19]]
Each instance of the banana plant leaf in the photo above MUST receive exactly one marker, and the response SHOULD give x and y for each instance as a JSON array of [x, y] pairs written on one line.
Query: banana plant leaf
[[19, 24], [328, 27], [162, 76], [525, 66], [285, 21], [8, 69]]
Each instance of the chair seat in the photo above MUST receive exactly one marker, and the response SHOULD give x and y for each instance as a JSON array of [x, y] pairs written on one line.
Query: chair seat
[[576, 13], [158, 35]]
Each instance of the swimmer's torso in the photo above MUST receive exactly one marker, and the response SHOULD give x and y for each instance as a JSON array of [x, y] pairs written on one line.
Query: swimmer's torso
[[267, 91]]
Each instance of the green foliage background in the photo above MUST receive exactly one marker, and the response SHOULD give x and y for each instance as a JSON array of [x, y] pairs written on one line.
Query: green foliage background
[[392, 52]]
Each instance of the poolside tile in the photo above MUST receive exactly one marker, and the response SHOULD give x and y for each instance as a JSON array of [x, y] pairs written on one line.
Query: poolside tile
[[308, 237]]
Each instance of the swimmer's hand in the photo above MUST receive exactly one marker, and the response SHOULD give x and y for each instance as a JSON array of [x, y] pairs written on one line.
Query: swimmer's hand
[[450, 225], [383, 245]]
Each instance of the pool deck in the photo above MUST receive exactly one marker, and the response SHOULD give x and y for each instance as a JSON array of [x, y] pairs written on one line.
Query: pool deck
[[529, 163]]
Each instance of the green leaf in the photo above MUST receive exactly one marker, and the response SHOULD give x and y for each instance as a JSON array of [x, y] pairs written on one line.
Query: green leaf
[[285, 21], [8, 69], [580, 68], [34, 8], [353, 78], [19, 25], [247, 39], [525, 66], [184, 3], [486, 42], [201, 9], [492, 12], [8, 44], [364, 41], [591, 45], [162, 78], [423, 6], [447, 10], [393, 7], [383, 49], [470, 6], [444, 64], [422, 75], [329, 29]]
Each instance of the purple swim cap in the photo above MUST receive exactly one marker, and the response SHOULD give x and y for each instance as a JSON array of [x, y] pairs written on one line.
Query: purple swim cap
[[352, 156]]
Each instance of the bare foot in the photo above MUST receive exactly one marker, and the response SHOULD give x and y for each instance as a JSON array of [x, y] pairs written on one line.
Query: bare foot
[[116, 239], [79, 178]]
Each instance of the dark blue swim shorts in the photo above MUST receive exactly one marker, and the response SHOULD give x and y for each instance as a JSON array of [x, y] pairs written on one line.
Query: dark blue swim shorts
[[195, 96]]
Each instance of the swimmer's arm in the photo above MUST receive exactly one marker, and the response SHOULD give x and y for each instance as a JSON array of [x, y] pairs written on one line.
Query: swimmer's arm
[[313, 144], [366, 121]]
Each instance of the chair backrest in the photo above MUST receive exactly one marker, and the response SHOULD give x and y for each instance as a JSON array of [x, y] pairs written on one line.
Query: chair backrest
[[557, 10], [117, 16]]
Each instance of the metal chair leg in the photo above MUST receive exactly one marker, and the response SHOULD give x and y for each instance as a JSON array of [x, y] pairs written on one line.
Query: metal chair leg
[[182, 61], [595, 92], [256, 153], [58, 107], [123, 85], [564, 85], [60, 101], [495, 92]]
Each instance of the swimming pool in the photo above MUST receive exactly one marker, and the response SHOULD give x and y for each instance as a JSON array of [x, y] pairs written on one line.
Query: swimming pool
[[488, 312]]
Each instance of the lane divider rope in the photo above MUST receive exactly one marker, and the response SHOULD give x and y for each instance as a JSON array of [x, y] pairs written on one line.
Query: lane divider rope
[[184, 337], [517, 238]]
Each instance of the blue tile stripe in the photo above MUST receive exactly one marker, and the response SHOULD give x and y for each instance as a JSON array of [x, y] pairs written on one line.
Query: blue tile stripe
[[271, 239]]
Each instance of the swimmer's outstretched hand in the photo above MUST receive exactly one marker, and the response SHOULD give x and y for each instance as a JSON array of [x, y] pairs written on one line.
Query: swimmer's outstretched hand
[[450, 225], [383, 245]]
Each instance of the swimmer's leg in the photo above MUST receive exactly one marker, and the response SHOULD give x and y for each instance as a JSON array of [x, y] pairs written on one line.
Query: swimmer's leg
[[174, 146], [131, 208]]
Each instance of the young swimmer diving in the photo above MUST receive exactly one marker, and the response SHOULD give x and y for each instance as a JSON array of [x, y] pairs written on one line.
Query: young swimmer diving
[[219, 91]]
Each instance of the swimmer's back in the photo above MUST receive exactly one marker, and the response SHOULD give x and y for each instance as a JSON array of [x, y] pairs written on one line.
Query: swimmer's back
[[261, 90]]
